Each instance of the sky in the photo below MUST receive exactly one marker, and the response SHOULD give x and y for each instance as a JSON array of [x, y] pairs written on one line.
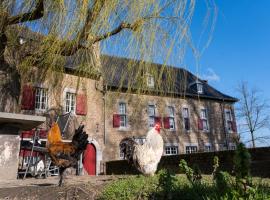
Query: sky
[[240, 46]]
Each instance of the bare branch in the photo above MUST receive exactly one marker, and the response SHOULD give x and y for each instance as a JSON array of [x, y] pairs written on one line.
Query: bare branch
[[37, 13]]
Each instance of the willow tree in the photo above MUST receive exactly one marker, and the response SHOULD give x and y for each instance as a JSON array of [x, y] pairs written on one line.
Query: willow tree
[[65, 27]]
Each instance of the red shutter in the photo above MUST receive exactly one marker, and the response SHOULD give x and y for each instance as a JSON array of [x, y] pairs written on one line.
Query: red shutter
[[166, 122], [158, 120], [27, 134], [234, 127], [81, 104], [28, 98], [43, 134], [116, 121], [200, 124]]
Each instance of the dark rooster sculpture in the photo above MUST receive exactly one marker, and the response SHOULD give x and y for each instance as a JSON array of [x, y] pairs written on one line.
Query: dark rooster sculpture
[[65, 155]]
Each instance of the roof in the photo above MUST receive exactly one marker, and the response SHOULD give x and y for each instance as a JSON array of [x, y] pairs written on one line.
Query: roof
[[128, 74]]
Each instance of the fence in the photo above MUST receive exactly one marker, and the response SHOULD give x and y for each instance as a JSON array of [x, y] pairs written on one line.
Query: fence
[[260, 162]]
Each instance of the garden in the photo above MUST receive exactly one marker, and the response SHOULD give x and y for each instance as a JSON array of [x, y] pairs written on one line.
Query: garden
[[238, 184]]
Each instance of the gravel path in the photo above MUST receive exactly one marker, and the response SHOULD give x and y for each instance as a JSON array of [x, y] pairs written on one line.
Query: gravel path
[[75, 187]]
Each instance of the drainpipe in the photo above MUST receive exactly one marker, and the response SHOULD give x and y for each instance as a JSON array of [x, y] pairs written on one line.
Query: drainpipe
[[104, 114], [103, 91]]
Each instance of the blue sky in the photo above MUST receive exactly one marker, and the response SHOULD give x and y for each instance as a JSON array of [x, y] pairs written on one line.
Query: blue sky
[[240, 47]]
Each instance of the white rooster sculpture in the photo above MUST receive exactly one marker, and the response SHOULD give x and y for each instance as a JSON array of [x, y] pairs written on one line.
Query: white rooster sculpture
[[145, 157]]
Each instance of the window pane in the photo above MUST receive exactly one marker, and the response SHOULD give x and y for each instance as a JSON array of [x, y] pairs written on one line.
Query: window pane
[[171, 111], [185, 113], [151, 110]]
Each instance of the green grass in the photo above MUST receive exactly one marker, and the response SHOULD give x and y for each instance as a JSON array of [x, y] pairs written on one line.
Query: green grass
[[175, 187]]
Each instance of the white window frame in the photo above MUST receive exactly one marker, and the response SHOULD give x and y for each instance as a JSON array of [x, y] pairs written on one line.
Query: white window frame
[[207, 147], [71, 91], [171, 112], [171, 150], [232, 146], [123, 114], [40, 95], [150, 80], [229, 128], [192, 148], [186, 117], [204, 118], [140, 140], [199, 86], [151, 116], [121, 154]]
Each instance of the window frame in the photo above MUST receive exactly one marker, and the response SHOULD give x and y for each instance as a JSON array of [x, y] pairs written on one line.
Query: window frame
[[150, 81], [204, 119], [171, 116], [38, 100], [151, 116], [71, 93], [199, 87], [123, 115], [186, 117], [207, 146], [228, 121], [191, 151], [169, 149]]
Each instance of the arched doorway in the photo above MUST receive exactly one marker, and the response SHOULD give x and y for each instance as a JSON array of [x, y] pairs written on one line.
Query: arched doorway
[[89, 159]]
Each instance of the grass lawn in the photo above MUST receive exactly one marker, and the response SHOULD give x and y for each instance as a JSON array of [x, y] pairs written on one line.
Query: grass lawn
[[169, 186]]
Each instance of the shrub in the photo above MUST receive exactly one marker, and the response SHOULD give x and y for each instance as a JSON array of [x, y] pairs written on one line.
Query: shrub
[[193, 175]]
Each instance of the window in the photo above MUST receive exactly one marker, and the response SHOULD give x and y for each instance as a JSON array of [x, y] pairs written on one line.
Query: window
[[41, 99], [151, 115], [150, 80], [123, 115], [191, 149], [121, 154], [140, 140], [207, 148], [229, 120], [185, 113], [204, 120], [200, 88], [232, 146], [171, 150], [70, 102], [171, 117]]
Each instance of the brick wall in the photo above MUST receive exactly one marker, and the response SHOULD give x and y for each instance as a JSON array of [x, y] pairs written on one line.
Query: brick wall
[[260, 165], [137, 105]]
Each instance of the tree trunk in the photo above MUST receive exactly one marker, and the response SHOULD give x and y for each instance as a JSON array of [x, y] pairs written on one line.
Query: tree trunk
[[9, 80], [253, 140]]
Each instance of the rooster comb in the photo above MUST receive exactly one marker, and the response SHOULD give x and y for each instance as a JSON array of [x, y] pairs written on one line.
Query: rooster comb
[[157, 127]]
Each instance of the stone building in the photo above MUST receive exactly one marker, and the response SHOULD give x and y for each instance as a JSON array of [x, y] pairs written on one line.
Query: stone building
[[124, 98]]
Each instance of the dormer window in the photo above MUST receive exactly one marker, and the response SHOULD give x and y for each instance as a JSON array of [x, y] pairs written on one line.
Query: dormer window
[[22, 41], [199, 88], [150, 80]]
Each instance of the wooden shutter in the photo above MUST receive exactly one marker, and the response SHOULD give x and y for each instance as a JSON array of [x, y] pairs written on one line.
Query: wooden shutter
[[158, 120], [28, 98], [166, 122], [116, 121], [81, 104], [200, 124], [234, 127]]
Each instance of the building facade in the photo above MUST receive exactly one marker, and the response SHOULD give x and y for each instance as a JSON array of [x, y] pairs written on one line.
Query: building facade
[[125, 98]]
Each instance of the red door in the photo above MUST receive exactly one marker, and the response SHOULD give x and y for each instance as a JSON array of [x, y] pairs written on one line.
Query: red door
[[89, 160]]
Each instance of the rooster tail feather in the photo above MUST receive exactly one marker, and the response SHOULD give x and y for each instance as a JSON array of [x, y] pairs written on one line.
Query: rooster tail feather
[[127, 146], [80, 140]]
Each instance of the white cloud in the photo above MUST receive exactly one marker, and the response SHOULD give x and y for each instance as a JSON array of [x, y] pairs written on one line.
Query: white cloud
[[210, 75]]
